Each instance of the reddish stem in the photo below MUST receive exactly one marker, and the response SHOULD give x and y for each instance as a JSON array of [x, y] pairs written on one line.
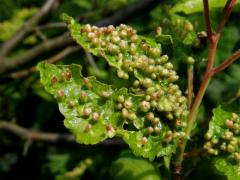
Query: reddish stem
[[194, 152], [212, 51], [210, 71], [225, 14], [197, 101], [207, 19]]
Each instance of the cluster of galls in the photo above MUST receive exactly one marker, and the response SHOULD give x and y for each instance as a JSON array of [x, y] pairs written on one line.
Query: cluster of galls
[[65, 76], [86, 112], [137, 57], [154, 79], [168, 136], [165, 99], [155, 98], [133, 53], [228, 142], [125, 105], [93, 116], [152, 124], [168, 100]]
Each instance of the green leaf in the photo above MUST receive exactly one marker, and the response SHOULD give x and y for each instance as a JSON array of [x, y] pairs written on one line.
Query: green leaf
[[131, 167], [79, 98], [232, 171], [154, 146], [140, 113], [189, 39], [110, 51], [217, 124], [137, 59], [115, 4], [223, 139], [84, 4], [194, 6], [164, 39], [57, 163]]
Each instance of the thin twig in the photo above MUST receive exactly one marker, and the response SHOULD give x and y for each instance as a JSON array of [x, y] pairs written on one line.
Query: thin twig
[[35, 136], [57, 57], [207, 19], [62, 25], [22, 73], [40, 34], [12, 63], [194, 153], [227, 62], [68, 50], [55, 25], [124, 14], [190, 85], [26, 28], [225, 15], [26, 147], [92, 62], [127, 12], [50, 137]]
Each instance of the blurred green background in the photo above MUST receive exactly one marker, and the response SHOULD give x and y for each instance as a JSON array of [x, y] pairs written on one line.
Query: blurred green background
[[25, 103]]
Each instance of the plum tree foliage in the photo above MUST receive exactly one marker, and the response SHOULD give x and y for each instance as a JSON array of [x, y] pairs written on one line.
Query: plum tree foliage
[[145, 89]]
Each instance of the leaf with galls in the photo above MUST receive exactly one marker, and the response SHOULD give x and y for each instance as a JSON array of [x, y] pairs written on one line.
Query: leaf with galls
[[82, 101], [223, 139], [94, 111], [137, 57]]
